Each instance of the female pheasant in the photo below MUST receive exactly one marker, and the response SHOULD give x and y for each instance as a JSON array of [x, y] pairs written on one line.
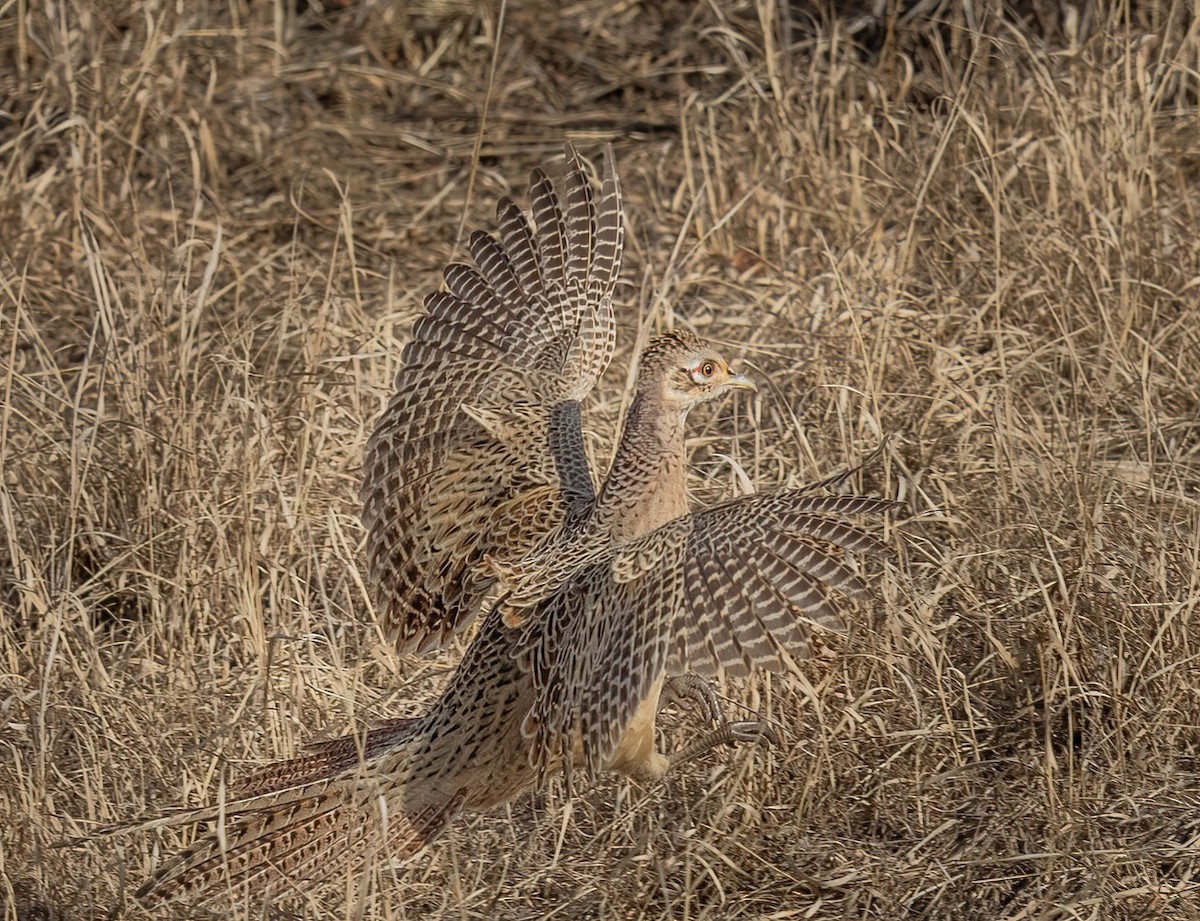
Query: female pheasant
[[480, 503]]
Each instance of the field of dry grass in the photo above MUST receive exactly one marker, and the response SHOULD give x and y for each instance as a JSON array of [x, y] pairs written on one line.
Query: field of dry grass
[[969, 235]]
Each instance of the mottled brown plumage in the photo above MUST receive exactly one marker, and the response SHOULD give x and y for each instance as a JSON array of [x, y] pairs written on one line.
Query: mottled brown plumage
[[458, 469], [480, 503]]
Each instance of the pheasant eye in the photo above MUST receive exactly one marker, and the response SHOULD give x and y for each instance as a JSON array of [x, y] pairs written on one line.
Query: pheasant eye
[[707, 369]]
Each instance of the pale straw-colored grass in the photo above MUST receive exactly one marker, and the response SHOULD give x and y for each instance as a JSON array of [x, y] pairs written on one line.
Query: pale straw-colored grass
[[964, 233]]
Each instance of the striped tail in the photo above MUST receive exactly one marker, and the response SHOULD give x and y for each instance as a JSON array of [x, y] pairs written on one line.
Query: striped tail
[[310, 819], [327, 758]]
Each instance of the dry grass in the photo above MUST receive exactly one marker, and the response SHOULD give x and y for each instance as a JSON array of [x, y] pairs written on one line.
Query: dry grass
[[970, 231]]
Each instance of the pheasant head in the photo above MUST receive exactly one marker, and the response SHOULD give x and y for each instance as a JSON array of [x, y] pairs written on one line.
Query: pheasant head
[[682, 370]]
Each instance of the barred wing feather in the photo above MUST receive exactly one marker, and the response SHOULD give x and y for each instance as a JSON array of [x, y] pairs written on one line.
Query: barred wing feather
[[480, 454], [737, 586]]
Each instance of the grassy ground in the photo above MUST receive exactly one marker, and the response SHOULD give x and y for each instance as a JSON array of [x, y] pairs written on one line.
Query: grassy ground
[[969, 234]]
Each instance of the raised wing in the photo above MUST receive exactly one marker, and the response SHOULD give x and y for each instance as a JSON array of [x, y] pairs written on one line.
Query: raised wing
[[738, 585], [480, 453], [758, 575]]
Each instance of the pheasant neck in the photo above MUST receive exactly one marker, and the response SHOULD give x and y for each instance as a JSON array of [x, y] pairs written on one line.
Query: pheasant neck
[[647, 484]]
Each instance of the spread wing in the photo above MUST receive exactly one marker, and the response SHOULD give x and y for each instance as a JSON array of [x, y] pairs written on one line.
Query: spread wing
[[480, 451], [735, 586]]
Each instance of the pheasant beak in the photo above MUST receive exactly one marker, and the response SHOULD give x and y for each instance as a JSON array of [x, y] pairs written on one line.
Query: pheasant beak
[[741, 382]]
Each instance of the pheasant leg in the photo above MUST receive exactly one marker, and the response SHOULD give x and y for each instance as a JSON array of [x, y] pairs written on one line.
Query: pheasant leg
[[695, 690], [730, 732]]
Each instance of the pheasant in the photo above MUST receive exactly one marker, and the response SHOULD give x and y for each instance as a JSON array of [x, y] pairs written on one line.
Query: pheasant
[[595, 602]]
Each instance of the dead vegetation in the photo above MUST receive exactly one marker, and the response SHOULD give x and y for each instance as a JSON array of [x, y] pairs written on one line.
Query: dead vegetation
[[967, 229]]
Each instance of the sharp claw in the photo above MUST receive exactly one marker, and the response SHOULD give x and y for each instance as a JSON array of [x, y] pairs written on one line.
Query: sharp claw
[[731, 733], [694, 690], [752, 731]]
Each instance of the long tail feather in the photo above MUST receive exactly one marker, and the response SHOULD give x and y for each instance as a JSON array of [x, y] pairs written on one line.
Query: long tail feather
[[317, 836], [341, 804], [327, 758]]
